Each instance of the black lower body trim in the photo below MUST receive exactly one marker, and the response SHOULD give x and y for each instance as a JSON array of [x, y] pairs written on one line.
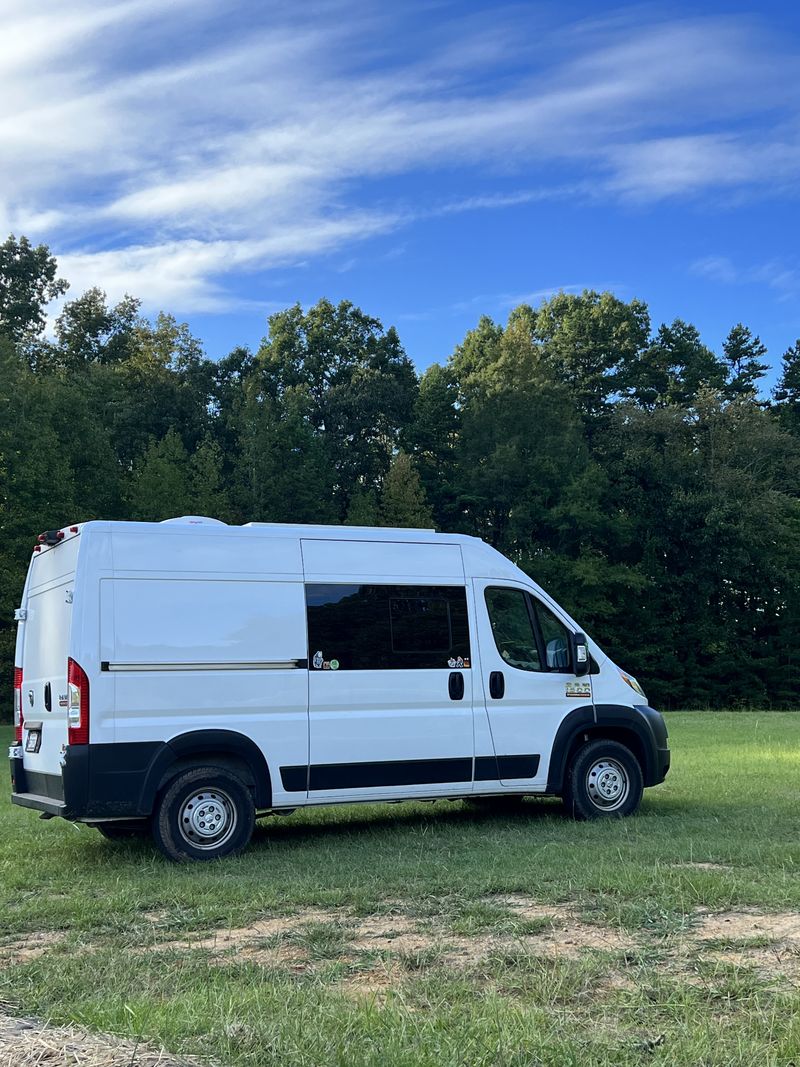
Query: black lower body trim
[[324, 776], [503, 768]]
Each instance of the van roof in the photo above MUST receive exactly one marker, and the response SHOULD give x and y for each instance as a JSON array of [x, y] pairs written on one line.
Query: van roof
[[202, 525]]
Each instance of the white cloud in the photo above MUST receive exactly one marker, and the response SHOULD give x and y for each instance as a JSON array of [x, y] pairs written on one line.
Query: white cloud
[[164, 148], [782, 279]]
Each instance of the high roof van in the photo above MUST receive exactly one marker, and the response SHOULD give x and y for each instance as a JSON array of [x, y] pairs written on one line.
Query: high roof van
[[181, 678]]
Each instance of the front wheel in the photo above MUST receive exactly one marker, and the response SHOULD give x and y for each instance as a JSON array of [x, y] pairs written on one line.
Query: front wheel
[[204, 814], [604, 780]]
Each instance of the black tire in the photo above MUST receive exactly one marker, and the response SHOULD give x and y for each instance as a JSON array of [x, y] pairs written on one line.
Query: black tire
[[604, 781], [124, 831], [204, 814]]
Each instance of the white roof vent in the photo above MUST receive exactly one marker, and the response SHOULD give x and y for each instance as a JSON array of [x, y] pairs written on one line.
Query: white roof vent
[[193, 520]]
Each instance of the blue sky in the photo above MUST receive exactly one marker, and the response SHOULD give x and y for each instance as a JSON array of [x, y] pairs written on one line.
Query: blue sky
[[430, 162]]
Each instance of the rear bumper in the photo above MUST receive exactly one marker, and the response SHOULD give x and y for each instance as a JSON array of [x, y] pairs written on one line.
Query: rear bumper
[[96, 782], [39, 803]]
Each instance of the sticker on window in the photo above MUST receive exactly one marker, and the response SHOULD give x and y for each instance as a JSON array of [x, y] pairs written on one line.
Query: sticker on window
[[317, 660]]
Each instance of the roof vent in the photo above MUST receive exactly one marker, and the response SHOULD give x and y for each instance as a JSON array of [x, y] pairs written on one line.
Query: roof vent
[[193, 520]]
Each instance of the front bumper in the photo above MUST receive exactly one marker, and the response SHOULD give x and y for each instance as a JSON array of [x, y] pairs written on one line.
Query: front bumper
[[660, 753]]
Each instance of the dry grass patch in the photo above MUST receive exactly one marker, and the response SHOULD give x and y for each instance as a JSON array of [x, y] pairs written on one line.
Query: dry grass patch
[[30, 1043]]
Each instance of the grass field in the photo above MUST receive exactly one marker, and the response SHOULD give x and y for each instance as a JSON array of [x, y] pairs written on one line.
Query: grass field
[[434, 934]]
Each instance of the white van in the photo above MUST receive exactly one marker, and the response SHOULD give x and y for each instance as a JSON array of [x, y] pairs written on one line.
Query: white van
[[179, 678]]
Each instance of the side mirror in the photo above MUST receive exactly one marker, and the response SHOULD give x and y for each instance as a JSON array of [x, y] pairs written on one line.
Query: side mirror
[[580, 655]]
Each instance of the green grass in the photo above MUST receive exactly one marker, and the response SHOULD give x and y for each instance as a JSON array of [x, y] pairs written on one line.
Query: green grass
[[317, 995]]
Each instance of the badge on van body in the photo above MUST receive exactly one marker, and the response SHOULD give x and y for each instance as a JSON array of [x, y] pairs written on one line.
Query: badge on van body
[[578, 689]]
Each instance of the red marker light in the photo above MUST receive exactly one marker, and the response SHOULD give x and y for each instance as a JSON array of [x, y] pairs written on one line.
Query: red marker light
[[19, 718]]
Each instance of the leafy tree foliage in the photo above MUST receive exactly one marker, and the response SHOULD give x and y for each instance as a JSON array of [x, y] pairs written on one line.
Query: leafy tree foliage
[[744, 354], [787, 391], [27, 285], [636, 475], [403, 501]]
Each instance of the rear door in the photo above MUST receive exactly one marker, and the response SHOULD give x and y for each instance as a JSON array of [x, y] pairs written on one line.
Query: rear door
[[45, 646], [390, 676], [528, 681]]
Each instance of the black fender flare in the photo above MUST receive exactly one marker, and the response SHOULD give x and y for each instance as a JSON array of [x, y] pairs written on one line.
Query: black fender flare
[[207, 743], [599, 720]]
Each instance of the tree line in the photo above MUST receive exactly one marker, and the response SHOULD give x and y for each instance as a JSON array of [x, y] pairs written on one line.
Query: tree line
[[640, 477]]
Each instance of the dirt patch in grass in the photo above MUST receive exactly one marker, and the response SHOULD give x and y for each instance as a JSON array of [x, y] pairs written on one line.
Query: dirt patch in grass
[[31, 946], [243, 937], [374, 984], [30, 1043], [568, 935], [769, 944], [736, 925], [284, 940]]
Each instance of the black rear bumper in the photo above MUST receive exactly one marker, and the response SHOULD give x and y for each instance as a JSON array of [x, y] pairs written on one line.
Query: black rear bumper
[[96, 782]]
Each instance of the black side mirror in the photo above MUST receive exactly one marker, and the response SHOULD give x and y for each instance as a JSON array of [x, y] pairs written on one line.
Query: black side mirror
[[580, 655]]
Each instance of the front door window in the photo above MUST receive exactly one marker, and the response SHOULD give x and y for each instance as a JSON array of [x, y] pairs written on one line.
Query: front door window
[[512, 628]]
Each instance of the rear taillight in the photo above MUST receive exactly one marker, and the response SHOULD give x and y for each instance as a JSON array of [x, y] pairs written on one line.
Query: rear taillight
[[19, 718], [78, 704]]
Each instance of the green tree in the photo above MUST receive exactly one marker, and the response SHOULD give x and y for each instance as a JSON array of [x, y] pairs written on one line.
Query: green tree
[[89, 331], [28, 283], [589, 341], [432, 439], [787, 391], [358, 380], [162, 484], [673, 369], [403, 500], [362, 509], [744, 356]]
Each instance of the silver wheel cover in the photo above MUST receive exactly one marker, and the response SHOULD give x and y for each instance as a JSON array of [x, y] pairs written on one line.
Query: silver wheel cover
[[207, 818], [607, 784]]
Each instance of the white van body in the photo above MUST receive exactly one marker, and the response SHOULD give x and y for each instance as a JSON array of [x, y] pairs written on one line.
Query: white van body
[[316, 664]]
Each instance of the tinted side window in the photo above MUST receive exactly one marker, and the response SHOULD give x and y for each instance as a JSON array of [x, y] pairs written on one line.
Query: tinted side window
[[512, 628], [386, 627], [556, 639]]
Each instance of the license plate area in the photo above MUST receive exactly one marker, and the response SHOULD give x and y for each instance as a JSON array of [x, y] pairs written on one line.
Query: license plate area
[[33, 741]]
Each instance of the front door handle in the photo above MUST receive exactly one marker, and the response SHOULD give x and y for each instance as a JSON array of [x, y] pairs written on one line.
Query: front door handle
[[456, 686], [48, 697], [497, 685]]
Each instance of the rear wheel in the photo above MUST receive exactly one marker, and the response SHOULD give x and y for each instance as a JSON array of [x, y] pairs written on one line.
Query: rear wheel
[[604, 780], [204, 814]]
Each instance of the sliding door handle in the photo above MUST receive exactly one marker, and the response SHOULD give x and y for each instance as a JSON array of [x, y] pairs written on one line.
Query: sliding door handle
[[456, 686]]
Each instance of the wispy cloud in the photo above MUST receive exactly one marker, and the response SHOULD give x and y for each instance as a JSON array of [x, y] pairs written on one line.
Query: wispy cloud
[[165, 148], [783, 279]]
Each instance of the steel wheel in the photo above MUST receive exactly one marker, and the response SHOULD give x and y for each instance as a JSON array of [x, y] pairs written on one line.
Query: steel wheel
[[207, 818], [607, 784], [603, 781], [203, 814]]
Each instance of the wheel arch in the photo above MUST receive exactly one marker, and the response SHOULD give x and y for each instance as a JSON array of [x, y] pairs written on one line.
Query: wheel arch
[[612, 722], [225, 748]]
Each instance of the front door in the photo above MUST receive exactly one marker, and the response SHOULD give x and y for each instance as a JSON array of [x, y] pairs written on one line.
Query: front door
[[528, 681]]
